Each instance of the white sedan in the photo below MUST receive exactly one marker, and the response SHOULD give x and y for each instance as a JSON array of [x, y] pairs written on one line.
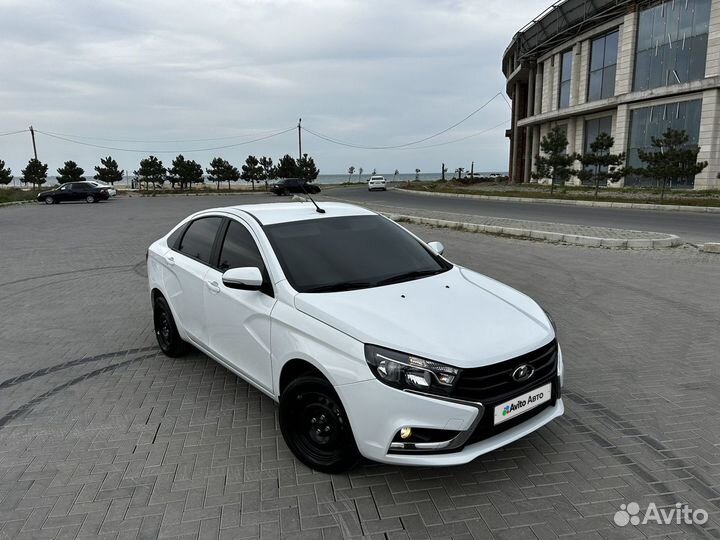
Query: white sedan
[[377, 182], [372, 343], [111, 190]]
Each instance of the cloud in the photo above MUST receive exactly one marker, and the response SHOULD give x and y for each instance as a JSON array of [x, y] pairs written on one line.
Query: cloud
[[371, 72]]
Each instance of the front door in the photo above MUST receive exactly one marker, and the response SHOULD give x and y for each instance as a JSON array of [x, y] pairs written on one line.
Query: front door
[[238, 321]]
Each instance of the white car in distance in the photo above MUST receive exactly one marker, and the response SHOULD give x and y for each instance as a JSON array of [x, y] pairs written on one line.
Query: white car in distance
[[377, 182], [111, 190], [372, 343]]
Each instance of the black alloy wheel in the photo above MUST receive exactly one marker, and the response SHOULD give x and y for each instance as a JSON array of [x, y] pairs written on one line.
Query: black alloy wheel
[[165, 329], [315, 426]]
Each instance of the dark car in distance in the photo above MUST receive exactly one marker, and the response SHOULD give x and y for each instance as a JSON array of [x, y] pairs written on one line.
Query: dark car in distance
[[286, 186], [74, 191]]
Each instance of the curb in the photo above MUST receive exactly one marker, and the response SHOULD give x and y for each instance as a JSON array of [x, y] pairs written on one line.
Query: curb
[[547, 236], [711, 247], [16, 203], [191, 194], [600, 204]]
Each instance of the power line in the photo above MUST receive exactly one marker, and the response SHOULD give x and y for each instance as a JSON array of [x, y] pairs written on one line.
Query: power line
[[228, 137], [145, 151], [13, 132], [363, 147], [460, 139]]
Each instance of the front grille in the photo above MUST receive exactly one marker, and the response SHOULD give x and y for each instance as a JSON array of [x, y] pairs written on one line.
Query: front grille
[[494, 384], [485, 429]]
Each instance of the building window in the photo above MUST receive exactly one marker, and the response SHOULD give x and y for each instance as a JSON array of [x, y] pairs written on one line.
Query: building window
[[649, 122], [593, 128], [565, 76], [603, 61], [671, 43]]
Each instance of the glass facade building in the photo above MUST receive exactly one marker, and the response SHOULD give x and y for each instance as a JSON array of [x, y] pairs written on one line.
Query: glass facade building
[[630, 68]]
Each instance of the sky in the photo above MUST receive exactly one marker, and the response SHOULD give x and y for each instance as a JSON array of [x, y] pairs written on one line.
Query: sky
[[179, 76]]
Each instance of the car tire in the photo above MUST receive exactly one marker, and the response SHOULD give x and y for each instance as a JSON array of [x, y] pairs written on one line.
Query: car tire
[[315, 426], [166, 331], [49, 200], [90, 199]]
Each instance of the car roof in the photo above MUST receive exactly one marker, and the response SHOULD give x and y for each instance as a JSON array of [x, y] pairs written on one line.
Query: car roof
[[272, 213]]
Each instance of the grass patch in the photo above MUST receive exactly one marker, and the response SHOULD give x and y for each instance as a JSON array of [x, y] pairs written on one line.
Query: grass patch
[[16, 194], [574, 193]]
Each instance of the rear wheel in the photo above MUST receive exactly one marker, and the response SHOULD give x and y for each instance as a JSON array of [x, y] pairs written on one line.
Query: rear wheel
[[49, 200], [315, 427], [90, 199], [165, 329]]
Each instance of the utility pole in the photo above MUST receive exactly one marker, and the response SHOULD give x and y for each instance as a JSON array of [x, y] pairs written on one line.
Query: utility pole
[[472, 170], [32, 134], [299, 138]]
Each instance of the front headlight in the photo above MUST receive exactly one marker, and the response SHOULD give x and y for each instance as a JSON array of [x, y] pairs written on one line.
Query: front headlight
[[406, 371]]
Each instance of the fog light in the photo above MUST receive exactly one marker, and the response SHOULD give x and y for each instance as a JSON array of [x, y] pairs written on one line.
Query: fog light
[[405, 432]]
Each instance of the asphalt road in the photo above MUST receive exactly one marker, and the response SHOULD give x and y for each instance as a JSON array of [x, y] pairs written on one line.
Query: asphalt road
[[691, 227], [102, 436]]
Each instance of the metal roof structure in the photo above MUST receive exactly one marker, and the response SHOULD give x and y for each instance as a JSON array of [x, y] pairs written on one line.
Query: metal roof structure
[[557, 24]]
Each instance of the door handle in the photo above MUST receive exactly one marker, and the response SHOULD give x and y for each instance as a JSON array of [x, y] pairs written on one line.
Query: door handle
[[213, 286], [170, 260]]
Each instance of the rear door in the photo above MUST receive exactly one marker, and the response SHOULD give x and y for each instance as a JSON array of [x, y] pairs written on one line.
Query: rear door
[[238, 321], [186, 267], [78, 191]]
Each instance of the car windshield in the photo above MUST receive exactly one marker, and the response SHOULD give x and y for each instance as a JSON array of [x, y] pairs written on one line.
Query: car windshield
[[346, 253]]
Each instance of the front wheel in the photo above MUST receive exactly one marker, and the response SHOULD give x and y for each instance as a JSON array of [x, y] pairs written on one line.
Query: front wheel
[[90, 199], [315, 426], [165, 329], [49, 200]]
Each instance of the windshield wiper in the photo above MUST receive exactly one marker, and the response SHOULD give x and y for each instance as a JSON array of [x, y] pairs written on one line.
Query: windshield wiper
[[408, 276], [342, 286]]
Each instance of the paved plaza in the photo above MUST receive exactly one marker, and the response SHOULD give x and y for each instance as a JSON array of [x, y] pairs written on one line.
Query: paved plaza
[[103, 436]]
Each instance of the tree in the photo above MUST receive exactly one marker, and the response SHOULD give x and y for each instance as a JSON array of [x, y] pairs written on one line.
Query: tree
[[374, 172], [222, 171], [34, 173], [306, 168], [674, 159], [108, 171], [360, 171], [351, 171], [252, 171], [287, 167], [5, 174], [554, 162], [186, 172], [268, 170], [417, 175], [151, 170], [395, 175], [606, 166], [70, 172]]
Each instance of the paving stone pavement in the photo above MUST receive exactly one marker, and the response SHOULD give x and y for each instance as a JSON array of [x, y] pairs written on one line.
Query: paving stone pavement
[[101, 436]]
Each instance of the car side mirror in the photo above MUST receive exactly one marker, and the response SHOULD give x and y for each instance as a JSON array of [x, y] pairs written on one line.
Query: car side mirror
[[437, 247], [248, 278]]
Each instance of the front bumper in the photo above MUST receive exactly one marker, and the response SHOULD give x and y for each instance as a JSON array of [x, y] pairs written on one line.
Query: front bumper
[[377, 412]]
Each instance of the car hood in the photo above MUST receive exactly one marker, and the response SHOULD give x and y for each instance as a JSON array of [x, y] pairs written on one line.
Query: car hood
[[458, 317]]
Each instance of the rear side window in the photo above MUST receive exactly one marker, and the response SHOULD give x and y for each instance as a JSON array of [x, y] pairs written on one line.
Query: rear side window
[[239, 249], [199, 237]]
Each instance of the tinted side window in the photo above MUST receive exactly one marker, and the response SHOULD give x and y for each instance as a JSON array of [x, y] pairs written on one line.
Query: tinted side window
[[199, 237], [239, 249]]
